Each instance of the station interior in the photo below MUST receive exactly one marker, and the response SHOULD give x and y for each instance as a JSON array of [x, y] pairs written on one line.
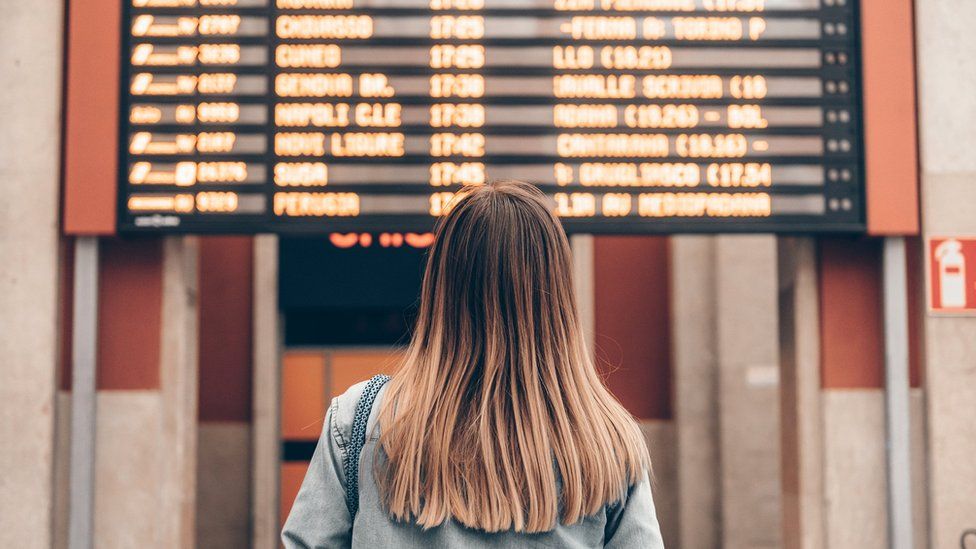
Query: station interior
[[690, 333], [770, 205]]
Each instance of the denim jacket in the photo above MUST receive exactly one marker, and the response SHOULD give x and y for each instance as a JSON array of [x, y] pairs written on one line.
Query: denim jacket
[[320, 519]]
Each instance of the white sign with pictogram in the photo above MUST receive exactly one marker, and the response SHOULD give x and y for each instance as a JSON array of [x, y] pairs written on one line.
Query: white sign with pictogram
[[951, 274]]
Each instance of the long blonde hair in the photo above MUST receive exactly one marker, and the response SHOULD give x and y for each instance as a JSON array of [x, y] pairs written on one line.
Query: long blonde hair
[[497, 396]]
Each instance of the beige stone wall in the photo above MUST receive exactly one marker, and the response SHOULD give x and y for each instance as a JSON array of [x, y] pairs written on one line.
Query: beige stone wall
[[30, 111], [695, 391], [855, 499], [947, 108], [726, 387], [660, 436], [62, 463], [920, 496], [130, 470], [748, 359]]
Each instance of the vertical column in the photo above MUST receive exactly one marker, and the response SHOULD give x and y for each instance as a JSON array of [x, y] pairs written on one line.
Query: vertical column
[[583, 278], [224, 447], [801, 415], [748, 390], [916, 394], [897, 403], [946, 78], [266, 394], [694, 360], [84, 339], [30, 106], [178, 387]]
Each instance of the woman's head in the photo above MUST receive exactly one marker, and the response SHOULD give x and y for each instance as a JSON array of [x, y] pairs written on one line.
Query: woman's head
[[497, 393], [498, 279]]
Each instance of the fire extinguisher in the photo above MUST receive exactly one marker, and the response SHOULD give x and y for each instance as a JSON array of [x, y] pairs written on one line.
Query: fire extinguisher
[[952, 274]]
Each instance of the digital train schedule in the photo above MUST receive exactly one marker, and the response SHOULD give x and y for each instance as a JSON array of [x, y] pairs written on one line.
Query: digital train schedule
[[634, 116]]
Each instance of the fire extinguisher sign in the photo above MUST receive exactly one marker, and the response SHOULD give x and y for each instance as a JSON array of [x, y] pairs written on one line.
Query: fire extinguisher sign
[[952, 274]]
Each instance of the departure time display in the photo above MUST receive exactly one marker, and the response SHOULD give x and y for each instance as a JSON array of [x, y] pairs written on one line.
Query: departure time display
[[635, 116]]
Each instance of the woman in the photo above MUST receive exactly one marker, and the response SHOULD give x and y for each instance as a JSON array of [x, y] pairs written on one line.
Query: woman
[[496, 431]]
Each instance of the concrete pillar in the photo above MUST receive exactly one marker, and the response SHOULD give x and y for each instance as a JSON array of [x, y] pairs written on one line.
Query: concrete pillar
[[726, 391], [147, 412], [694, 360], [266, 426], [224, 444], [920, 496], [947, 108], [583, 278], [748, 389], [30, 107], [178, 388], [800, 402]]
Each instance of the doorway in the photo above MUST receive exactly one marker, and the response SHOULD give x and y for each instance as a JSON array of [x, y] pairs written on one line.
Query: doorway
[[347, 305]]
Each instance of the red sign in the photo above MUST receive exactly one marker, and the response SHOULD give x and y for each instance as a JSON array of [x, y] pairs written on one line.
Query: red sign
[[952, 274]]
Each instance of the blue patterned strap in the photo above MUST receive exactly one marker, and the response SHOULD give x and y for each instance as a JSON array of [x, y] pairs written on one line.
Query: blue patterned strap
[[358, 439]]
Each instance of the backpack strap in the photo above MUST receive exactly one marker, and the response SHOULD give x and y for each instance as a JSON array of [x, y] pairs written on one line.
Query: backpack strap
[[358, 439]]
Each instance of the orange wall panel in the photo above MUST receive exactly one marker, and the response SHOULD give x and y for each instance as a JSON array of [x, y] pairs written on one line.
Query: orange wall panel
[[303, 395], [890, 132], [91, 116], [632, 321], [346, 368], [852, 314], [292, 475], [130, 300], [226, 264]]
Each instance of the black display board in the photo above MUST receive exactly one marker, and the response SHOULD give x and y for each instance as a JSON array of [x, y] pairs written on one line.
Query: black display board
[[636, 116]]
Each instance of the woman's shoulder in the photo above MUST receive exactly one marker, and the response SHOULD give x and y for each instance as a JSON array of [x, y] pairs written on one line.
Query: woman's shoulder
[[343, 409]]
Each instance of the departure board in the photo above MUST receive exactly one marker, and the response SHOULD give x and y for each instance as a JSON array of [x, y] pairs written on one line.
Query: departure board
[[634, 116]]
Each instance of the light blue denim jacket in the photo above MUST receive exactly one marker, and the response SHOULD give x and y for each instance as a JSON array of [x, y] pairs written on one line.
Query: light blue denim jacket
[[320, 519]]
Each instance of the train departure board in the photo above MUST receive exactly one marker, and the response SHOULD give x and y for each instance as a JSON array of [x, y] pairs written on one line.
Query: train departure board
[[635, 116]]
